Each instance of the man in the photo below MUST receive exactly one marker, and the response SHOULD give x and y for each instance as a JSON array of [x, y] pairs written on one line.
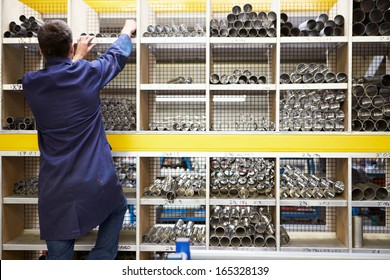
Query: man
[[78, 187]]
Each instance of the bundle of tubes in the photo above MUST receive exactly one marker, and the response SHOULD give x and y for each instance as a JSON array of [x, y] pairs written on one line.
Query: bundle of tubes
[[15, 123], [241, 226], [371, 18], [371, 104], [321, 26], [167, 234], [184, 185], [370, 191], [181, 80], [238, 77], [244, 23], [308, 73], [119, 114], [242, 177], [101, 35], [26, 187], [28, 27], [180, 123], [126, 171], [245, 122], [174, 31], [312, 110], [295, 184]]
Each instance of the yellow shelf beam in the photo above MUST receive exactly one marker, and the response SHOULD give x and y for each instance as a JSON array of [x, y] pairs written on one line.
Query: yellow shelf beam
[[349, 143]]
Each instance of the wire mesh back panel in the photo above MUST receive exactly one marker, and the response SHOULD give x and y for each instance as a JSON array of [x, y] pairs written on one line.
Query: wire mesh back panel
[[106, 18], [176, 110], [242, 111], [31, 169], [45, 10], [370, 93], [174, 18], [177, 64]]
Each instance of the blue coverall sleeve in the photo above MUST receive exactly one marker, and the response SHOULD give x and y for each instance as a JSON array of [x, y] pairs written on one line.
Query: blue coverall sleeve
[[113, 60]]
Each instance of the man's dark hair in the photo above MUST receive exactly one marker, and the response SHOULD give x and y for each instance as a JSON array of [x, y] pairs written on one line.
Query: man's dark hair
[[54, 38]]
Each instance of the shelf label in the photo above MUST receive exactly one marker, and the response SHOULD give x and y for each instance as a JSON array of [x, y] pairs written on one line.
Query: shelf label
[[303, 203], [172, 154], [16, 87], [25, 40], [311, 155], [315, 250], [237, 202], [28, 153], [375, 251], [169, 248], [384, 203], [384, 38], [124, 247]]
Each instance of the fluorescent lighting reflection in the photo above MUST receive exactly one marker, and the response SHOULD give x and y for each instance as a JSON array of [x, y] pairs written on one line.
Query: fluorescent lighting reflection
[[178, 98], [229, 98]]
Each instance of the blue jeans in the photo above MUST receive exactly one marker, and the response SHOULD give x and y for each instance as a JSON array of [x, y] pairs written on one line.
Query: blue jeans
[[106, 247]]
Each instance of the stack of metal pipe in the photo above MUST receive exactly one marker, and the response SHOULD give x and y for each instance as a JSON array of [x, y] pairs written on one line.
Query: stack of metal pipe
[[119, 114], [174, 31], [320, 26], [181, 80], [244, 122], [185, 185], [244, 23], [28, 27], [295, 184], [180, 123], [308, 73], [312, 110], [15, 123], [241, 226], [167, 234], [238, 77], [26, 187], [371, 103], [371, 18], [242, 177], [126, 171], [370, 191]]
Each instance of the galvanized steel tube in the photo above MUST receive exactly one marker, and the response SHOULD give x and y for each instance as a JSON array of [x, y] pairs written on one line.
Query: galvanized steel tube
[[357, 231]]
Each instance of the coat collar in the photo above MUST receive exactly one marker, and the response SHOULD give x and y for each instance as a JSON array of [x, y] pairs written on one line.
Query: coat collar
[[58, 60]]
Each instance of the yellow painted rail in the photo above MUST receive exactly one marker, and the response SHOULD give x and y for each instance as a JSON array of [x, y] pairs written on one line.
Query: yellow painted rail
[[348, 143]]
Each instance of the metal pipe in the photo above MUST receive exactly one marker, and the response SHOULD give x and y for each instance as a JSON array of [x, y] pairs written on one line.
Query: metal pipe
[[283, 17], [372, 29], [378, 101], [367, 5], [376, 114], [262, 32], [339, 20], [296, 78], [285, 31], [357, 125], [376, 16], [236, 10], [384, 29], [358, 15], [246, 241], [341, 77], [308, 25], [253, 32], [383, 193], [295, 32], [262, 79], [214, 78], [231, 18], [386, 110], [223, 32], [214, 240], [358, 29], [330, 77], [319, 26], [357, 231], [259, 240], [381, 125], [368, 125], [327, 31], [383, 5], [386, 16], [243, 32], [271, 32], [323, 18], [338, 31], [270, 241], [358, 91]]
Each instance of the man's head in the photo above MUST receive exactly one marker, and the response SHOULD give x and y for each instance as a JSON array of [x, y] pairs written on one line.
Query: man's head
[[55, 39]]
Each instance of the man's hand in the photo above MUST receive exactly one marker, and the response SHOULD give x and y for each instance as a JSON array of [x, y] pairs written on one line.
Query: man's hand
[[84, 46], [129, 28]]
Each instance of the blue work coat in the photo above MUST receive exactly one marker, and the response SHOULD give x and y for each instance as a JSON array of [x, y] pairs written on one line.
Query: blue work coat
[[78, 187]]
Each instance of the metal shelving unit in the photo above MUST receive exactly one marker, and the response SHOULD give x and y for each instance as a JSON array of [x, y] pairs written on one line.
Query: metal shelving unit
[[154, 62]]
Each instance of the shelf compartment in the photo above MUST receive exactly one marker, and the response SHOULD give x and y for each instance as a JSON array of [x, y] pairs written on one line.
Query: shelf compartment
[[235, 179], [173, 19], [176, 64], [242, 227], [314, 181], [249, 63], [313, 110], [40, 10], [160, 225], [29, 240], [173, 110], [370, 99], [315, 229], [241, 20], [375, 229], [103, 19], [250, 110], [309, 18]]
